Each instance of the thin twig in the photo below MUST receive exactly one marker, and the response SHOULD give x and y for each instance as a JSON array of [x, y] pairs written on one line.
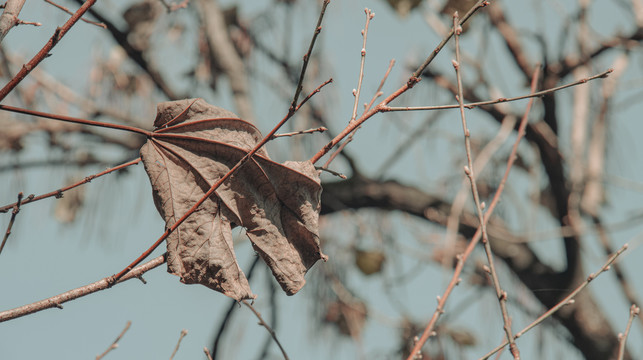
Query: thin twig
[[264, 324], [207, 353], [459, 201], [178, 343], [379, 92], [58, 300], [71, 13], [23, 22], [470, 172], [602, 75], [462, 258], [14, 213], [634, 311], [332, 172], [217, 184], [309, 131], [628, 290], [300, 83], [75, 120], [228, 315], [567, 300], [59, 193], [416, 75], [114, 344], [44, 52], [356, 93], [414, 79]]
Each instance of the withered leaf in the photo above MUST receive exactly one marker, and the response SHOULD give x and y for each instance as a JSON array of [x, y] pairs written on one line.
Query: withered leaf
[[193, 145]]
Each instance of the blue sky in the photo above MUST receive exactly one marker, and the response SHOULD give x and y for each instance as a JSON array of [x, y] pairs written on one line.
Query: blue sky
[[119, 220]]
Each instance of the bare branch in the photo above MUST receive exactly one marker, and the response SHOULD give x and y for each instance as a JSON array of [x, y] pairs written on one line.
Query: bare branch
[[309, 131], [601, 75], [462, 258], [634, 311], [569, 299], [58, 300], [44, 52], [470, 172], [356, 93]]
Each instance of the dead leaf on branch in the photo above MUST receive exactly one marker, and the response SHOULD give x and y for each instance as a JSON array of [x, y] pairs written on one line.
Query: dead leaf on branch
[[193, 145]]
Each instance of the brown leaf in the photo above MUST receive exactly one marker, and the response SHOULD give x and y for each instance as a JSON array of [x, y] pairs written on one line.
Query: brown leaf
[[193, 145]]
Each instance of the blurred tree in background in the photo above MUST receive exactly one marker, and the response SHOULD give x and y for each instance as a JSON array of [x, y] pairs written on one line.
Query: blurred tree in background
[[394, 226]]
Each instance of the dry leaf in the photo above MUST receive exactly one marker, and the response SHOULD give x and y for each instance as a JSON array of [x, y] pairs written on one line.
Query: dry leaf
[[193, 145]]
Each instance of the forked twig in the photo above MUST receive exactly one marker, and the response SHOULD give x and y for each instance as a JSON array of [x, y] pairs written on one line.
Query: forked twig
[[357, 92], [414, 79], [270, 330], [291, 111], [132, 270], [567, 300], [622, 338], [14, 213], [462, 258], [379, 92], [44, 52], [9, 17], [300, 83], [470, 172]]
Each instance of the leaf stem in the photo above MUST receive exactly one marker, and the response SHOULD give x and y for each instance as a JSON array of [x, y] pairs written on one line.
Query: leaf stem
[[75, 120]]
